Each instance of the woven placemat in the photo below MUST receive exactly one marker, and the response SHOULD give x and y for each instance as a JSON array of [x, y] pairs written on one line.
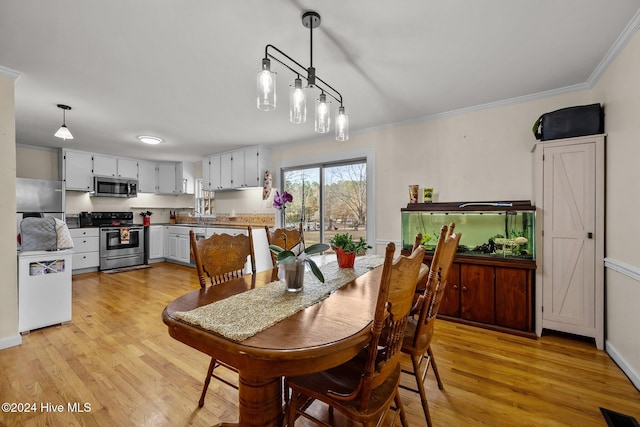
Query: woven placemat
[[243, 315]]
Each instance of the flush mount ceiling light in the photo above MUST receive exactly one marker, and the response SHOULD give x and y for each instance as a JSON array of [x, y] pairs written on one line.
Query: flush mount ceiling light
[[64, 132], [150, 139], [266, 86]]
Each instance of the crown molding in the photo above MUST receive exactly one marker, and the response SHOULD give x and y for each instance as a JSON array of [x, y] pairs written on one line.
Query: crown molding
[[12, 74], [623, 39]]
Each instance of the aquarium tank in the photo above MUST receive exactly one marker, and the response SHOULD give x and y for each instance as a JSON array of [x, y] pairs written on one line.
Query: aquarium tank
[[489, 229]]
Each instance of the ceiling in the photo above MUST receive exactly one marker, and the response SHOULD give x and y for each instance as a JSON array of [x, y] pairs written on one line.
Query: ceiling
[[185, 71]]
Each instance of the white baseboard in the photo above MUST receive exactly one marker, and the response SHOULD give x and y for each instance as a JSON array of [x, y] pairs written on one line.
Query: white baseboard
[[10, 341], [626, 368]]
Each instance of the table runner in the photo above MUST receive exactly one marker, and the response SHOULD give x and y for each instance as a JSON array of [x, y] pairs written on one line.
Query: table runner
[[243, 315]]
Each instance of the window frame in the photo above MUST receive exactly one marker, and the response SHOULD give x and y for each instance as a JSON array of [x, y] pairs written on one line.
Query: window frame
[[367, 155]]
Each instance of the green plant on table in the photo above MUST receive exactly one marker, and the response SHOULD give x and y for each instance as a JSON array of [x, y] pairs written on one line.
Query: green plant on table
[[348, 245], [285, 257]]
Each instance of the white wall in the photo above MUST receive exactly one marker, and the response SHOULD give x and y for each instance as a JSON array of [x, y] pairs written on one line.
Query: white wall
[[37, 162], [485, 155], [475, 156], [619, 89], [8, 265]]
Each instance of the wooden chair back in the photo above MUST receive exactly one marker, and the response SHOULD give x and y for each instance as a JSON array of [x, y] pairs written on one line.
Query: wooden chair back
[[222, 257], [286, 239], [393, 306], [436, 283]]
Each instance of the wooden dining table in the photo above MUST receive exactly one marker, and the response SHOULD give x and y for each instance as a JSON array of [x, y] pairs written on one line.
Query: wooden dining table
[[319, 337]]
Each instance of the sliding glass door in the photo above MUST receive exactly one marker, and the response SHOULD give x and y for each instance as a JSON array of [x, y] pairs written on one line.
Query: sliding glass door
[[328, 198]]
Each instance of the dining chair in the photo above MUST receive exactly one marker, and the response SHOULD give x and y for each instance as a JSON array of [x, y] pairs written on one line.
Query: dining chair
[[285, 238], [364, 388], [220, 258], [417, 338]]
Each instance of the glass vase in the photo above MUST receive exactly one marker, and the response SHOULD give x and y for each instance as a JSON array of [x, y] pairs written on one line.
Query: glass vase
[[293, 275]]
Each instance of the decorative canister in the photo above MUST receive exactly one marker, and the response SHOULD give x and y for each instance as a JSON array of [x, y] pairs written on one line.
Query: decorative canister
[[428, 194], [413, 193]]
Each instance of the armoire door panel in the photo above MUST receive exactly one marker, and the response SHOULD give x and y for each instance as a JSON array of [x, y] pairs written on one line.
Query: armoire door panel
[[568, 218]]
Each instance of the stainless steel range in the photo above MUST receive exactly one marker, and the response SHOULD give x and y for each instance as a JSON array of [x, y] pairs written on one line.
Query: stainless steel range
[[121, 241]]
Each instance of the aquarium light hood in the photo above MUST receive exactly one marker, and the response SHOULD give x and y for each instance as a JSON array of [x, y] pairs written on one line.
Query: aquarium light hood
[[495, 204]]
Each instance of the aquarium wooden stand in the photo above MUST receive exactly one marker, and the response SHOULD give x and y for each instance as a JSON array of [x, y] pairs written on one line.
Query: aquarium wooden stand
[[490, 293]]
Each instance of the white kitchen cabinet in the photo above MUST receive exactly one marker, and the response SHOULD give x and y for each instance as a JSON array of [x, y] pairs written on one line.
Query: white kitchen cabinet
[[156, 242], [147, 177], [167, 178], [178, 244], [127, 168], [115, 166], [235, 169], [226, 178], [77, 170], [171, 246], [86, 249], [211, 173], [184, 249], [256, 163], [105, 165], [185, 178], [232, 170]]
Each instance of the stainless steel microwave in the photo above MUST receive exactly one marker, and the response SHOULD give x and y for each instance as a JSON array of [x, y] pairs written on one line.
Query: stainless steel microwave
[[109, 186]]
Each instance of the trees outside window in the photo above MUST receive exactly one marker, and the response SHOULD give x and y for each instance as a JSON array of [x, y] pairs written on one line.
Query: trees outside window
[[327, 199]]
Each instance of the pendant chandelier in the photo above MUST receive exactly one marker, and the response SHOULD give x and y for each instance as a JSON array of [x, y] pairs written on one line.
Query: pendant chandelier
[[64, 132], [266, 87]]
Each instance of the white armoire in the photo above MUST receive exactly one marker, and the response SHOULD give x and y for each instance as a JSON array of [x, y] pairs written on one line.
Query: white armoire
[[569, 195]]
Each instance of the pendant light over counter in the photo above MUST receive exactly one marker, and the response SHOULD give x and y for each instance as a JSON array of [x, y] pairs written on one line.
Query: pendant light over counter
[[64, 132], [266, 87]]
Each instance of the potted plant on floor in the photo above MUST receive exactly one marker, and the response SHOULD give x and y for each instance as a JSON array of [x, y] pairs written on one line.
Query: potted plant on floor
[[346, 249]]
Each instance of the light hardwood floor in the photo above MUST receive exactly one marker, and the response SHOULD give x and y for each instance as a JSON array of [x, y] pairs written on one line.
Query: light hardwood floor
[[117, 356]]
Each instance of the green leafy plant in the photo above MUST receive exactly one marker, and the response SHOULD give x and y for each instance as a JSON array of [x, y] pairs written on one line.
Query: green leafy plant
[[348, 245], [285, 257]]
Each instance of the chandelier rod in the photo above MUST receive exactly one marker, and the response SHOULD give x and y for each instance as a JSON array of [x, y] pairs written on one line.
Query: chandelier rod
[[328, 89]]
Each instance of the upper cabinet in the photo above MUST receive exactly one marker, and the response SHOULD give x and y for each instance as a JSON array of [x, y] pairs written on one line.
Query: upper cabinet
[[185, 178], [147, 177], [235, 169], [105, 165], [211, 172], [79, 167], [114, 166], [176, 178], [77, 170], [127, 168], [167, 178], [256, 163]]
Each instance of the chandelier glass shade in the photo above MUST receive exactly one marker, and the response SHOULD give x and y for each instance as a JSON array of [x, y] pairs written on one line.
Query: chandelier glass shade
[[298, 94], [64, 132], [342, 125], [323, 114], [297, 102], [266, 84]]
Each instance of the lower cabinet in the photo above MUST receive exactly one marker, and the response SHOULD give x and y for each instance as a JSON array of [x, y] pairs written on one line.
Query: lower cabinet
[[177, 244], [156, 242], [491, 294], [86, 249]]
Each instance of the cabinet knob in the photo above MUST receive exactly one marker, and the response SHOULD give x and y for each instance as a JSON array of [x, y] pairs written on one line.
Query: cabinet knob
[[455, 287], [464, 288]]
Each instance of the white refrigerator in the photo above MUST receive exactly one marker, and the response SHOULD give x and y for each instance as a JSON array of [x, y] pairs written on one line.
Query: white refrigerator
[[44, 289]]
